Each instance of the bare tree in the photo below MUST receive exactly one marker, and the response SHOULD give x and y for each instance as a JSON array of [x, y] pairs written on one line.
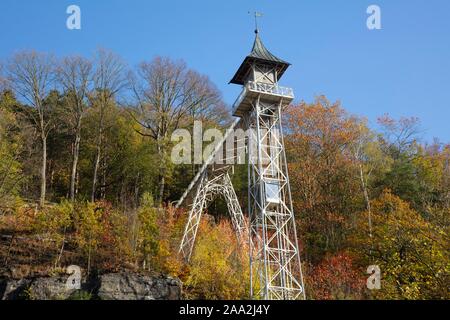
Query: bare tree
[[75, 75], [109, 79], [3, 81], [401, 135], [167, 92], [32, 75]]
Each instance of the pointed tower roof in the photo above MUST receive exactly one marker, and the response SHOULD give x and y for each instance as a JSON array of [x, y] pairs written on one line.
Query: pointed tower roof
[[259, 51], [262, 55]]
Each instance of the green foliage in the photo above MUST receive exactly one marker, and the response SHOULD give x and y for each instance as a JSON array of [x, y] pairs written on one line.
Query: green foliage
[[89, 228], [148, 239], [101, 234], [402, 179], [11, 177], [54, 221], [80, 295]]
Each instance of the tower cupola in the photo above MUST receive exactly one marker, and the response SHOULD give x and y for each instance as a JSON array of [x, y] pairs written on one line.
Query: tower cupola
[[259, 74], [260, 64]]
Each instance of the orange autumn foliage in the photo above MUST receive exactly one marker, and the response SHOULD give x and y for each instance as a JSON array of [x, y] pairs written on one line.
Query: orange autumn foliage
[[336, 277]]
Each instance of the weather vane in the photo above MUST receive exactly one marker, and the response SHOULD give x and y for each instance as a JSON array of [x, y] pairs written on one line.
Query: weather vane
[[257, 15]]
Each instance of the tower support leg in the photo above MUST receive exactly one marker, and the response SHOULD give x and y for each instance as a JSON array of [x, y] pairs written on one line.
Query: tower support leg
[[190, 231], [207, 191], [274, 253]]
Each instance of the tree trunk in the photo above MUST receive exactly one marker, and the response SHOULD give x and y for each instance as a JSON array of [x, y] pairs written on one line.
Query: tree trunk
[[97, 156], [43, 170], [61, 250], [76, 153], [162, 171], [162, 184], [161, 177], [103, 188], [366, 198], [77, 183], [96, 167]]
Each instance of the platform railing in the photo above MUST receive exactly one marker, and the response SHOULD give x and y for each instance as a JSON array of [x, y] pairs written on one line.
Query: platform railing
[[262, 87]]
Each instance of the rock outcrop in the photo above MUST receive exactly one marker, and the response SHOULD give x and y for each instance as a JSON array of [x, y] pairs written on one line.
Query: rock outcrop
[[111, 286], [126, 286], [51, 288], [13, 289]]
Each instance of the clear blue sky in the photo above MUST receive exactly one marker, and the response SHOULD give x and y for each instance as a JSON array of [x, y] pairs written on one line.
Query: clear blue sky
[[403, 69]]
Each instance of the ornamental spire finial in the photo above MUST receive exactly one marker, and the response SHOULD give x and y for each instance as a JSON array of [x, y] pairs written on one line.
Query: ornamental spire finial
[[257, 15]]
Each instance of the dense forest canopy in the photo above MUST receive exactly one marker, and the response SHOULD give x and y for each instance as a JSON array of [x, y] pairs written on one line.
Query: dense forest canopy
[[86, 178]]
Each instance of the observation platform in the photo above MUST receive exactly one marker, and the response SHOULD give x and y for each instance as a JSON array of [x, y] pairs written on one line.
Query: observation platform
[[268, 93]]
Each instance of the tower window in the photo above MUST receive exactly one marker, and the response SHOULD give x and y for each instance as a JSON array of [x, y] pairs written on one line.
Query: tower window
[[272, 192]]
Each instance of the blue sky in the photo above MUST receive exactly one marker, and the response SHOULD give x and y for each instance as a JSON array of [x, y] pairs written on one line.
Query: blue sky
[[403, 69]]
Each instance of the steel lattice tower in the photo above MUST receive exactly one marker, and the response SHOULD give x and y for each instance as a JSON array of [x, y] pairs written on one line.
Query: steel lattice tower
[[212, 185], [274, 249], [274, 253], [211, 182]]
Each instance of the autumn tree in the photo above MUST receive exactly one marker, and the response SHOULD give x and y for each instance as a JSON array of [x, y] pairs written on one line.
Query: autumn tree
[[70, 132], [417, 172], [3, 80], [411, 252], [147, 231], [324, 174], [219, 270], [109, 79], [74, 75], [400, 136], [32, 74], [53, 222], [337, 277], [432, 166], [372, 163], [166, 93], [11, 173], [58, 147]]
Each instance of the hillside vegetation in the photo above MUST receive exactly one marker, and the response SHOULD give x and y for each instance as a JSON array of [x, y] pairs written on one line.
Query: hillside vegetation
[[86, 179]]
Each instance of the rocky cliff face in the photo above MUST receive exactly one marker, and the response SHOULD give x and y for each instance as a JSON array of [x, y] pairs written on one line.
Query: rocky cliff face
[[111, 286], [126, 286]]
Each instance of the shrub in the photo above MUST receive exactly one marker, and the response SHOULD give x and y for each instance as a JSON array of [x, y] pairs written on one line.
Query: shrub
[[218, 268]]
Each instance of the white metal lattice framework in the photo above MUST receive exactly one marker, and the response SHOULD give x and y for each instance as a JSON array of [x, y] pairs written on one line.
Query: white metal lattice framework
[[210, 186], [274, 252], [273, 246]]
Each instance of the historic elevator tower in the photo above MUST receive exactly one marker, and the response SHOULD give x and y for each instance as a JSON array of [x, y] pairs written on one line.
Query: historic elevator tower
[[273, 248], [274, 252]]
